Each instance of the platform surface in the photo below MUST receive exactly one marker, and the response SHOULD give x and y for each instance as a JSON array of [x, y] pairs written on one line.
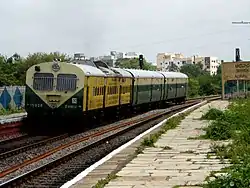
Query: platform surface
[[176, 159]]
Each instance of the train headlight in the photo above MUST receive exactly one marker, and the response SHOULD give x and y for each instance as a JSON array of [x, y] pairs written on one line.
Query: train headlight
[[37, 68]]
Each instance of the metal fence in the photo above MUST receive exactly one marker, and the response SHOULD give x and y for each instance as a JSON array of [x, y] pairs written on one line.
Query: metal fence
[[12, 97]]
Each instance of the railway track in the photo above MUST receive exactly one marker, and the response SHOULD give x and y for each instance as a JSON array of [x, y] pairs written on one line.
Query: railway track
[[65, 159], [24, 143]]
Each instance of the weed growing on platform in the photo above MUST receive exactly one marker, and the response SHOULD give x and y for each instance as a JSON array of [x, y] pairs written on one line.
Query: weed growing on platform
[[233, 124], [170, 124], [212, 114], [10, 111], [101, 183]]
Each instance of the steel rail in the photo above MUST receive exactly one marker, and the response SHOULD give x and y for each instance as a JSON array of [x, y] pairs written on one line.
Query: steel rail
[[30, 146]]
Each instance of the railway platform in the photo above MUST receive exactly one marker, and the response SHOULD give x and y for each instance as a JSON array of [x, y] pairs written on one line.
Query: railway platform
[[176, 160], [8, 118]]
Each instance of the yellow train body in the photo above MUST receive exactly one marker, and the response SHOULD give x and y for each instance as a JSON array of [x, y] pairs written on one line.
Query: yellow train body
[[73, 89]]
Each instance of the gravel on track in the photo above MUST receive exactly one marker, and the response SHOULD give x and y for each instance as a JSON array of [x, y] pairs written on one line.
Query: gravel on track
[[65, 172], [11, 136], [13, 144]]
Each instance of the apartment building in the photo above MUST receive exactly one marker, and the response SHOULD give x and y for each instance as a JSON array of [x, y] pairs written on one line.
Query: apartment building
[[212, 64], [165, 61], [114, 55]]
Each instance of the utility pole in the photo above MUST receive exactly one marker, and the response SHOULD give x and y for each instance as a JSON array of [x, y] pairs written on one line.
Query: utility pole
[[237, 59]]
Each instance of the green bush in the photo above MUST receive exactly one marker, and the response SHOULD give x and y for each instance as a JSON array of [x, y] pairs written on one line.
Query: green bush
[[218, 130], [212, 114], [10, 111], [238, 176], [233, 124]]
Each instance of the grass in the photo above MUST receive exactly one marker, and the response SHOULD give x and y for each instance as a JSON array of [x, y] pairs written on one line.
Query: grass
[[101, 183], [10, 111], [232, 124], [212, 114], [170, 124]]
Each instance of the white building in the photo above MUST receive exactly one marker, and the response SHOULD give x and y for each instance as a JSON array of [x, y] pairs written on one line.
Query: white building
[[114, 55], [211, 64], [131, 55], [165, 60]]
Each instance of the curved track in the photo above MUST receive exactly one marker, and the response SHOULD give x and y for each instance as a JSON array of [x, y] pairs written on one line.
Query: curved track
[[91, 142]]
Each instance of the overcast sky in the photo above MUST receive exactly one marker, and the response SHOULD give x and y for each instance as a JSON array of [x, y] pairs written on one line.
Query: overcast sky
[[95, 27]]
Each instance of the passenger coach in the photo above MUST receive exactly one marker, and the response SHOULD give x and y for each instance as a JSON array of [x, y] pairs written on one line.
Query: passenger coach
[[83, 88]]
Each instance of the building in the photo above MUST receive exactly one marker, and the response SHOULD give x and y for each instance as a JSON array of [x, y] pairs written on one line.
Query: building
[[174, 61], [212, 64], [114, 55], [130, 55]]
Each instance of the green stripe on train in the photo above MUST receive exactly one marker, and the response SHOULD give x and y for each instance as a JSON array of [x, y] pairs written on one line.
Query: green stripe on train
[[74, 103], [33, 101], [35, 105], [142, 93]]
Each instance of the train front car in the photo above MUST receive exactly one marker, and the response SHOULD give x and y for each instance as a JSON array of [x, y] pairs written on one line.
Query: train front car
[[54, 92]]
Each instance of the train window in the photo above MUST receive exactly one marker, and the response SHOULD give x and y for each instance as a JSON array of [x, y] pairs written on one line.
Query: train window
[[43, 81], [66, 82]]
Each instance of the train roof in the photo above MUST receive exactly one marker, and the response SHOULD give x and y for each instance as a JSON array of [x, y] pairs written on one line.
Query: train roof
[[90, 70], [138, 73], [173, 74], [123, 72]]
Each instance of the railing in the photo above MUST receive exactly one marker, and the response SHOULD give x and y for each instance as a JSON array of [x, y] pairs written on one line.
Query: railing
[[236, 95]]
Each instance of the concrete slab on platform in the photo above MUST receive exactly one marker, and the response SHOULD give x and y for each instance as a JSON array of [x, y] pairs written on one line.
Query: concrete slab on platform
[[175, 160]]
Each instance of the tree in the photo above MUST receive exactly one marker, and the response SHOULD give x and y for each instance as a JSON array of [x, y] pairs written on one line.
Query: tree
[[134, 64], [192, 70], [208, 85], [173, 67], [14, 73], [193, 87]]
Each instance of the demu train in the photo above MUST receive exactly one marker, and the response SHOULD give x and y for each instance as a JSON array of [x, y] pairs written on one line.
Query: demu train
[[84, 88]]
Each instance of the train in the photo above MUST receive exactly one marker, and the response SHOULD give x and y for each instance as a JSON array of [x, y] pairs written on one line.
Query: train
[[86, 90]]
